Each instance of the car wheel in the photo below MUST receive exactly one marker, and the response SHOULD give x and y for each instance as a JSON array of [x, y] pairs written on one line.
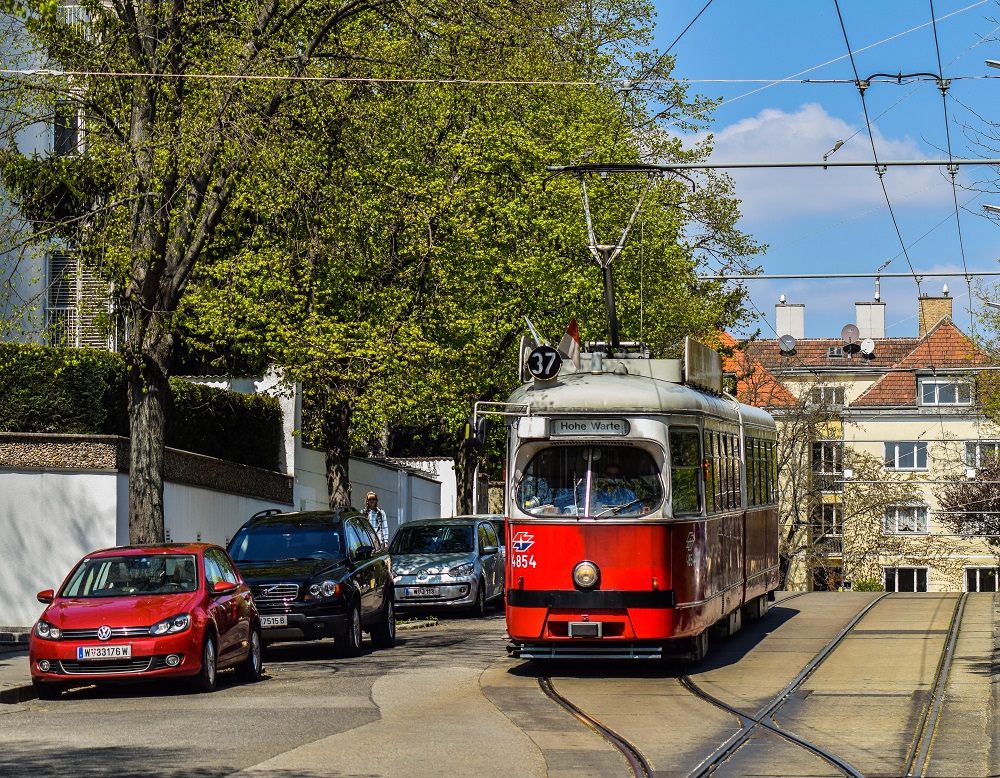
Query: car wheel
[[47, 691], [349, 644], [384, 633], [206, 679], [251, 668], [479, 608]]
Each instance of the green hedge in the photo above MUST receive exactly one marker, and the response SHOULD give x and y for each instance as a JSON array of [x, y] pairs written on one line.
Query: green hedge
[[83, 392]]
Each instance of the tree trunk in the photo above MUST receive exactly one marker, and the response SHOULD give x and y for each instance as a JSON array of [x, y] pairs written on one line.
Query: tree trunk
[[465, 474], [147, 396], [336, 427]]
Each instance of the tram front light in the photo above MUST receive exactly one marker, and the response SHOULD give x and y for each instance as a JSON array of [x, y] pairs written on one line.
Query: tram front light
[[586, 575]]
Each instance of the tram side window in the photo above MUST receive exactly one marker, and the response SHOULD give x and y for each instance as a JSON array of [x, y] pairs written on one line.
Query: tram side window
[[722, 453], [761, 486], [711, 472], [685, 469]]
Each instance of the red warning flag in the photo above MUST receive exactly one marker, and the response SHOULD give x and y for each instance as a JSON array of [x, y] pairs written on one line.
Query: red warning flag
[[569, 346]]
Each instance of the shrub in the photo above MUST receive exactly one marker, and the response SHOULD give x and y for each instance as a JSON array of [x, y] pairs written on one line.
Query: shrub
[[867, 585], [83, 392]]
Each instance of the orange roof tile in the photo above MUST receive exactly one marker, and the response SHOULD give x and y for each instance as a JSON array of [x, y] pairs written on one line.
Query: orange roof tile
[[943, 347]]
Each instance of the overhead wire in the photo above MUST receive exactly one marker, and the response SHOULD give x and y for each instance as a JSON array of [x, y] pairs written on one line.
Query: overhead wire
[[871, 136], [952, 170]]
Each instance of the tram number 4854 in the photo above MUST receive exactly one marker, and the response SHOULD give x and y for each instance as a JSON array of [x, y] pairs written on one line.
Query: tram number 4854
[[523, 560]]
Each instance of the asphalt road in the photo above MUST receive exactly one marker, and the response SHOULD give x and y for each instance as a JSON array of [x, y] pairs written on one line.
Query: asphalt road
[[412, 710], [447, 701]]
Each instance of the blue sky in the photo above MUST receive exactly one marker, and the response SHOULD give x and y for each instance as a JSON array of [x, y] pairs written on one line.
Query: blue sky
[[837, 221]]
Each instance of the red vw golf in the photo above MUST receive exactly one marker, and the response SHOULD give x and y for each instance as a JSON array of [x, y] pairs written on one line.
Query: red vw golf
[[145, 613]]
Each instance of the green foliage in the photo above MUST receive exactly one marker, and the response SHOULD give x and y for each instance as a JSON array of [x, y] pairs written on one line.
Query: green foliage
[[383, 236], [82, 392], [867, 585], [73, 391], [227, 425]]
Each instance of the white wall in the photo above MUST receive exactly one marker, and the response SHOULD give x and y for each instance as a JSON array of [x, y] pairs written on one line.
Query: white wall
[[50, 519], [47, 522]]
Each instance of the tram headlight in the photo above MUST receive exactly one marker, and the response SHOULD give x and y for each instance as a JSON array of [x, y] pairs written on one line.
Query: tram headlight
[[586, 575]]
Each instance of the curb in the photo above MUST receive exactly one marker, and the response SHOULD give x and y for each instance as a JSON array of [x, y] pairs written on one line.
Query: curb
[[409, 625], [14, 694]]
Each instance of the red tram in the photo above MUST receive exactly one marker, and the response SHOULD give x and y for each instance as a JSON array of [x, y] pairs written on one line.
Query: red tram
[[641, 509]]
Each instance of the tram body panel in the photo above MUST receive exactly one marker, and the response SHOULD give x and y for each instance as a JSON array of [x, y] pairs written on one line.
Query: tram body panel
[[542, 599], [690, 548]]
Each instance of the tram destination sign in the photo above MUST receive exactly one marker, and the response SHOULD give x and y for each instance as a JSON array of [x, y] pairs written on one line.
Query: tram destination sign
[[589, 427]]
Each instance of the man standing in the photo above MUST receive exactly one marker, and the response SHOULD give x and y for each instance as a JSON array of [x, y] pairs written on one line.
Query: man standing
[[376, 517]]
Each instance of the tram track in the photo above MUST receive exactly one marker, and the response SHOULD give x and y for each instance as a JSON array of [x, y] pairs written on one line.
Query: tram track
[[918, 752], [636, 761]]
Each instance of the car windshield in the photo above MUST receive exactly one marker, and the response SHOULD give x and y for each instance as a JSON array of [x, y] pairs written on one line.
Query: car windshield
[[133, 575], [444, 539], [279, 542]]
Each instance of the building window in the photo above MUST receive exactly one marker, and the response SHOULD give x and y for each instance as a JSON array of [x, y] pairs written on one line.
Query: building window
[[67, 128], [905, 455], [905, 520], [905, 579], [980, 579], [828, 520], [835, 351], [828, 465], [979, 453], [942, 391], [826, 395]]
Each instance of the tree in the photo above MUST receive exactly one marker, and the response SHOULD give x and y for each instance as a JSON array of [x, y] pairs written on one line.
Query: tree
[[406, 293], [971, 506]]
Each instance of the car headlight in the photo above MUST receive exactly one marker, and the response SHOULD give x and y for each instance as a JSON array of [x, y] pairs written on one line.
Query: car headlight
[[47, 631], [462, 570], [586, 575], [324, 589], [171, 626]]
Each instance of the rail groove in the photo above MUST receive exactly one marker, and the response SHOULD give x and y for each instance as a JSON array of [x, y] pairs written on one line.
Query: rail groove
[[636, 761]]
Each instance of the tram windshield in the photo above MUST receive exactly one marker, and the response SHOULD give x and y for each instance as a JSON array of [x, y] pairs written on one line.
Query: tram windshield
[[596, 481]]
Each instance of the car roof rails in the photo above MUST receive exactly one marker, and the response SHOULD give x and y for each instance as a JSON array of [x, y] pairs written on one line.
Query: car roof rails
[[268, 512]]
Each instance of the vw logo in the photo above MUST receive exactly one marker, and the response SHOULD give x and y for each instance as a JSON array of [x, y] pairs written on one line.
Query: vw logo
[[103, 633]]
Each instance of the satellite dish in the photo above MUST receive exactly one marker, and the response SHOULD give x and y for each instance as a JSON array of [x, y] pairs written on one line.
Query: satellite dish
[[786, 343], [850, 334], [868, 347]]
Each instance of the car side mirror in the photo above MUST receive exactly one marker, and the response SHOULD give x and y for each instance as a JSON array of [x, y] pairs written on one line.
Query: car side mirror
[[487, 550], [364, 552], [223, 587], [45, 596]]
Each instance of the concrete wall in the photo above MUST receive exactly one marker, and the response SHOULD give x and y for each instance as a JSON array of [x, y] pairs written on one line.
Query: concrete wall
[[50, 519]]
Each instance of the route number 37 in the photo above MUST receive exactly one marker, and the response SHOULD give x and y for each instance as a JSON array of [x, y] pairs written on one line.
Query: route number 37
[[523, 561], [544, 363]]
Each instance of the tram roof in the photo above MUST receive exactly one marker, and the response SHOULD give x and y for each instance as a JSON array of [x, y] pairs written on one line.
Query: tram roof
[[624, 393]]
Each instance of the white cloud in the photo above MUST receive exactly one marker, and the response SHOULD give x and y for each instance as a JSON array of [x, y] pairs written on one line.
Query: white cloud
[[780, 195]]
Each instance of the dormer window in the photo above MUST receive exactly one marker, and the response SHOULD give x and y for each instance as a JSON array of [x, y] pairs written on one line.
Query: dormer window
[[826, 395], [945, 391]]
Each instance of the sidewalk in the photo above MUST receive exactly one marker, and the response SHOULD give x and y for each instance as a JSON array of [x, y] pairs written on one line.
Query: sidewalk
[[15, 679]]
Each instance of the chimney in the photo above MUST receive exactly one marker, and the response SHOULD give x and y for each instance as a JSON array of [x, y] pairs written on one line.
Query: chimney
[[932, 310], [871, 319], [790, 319]]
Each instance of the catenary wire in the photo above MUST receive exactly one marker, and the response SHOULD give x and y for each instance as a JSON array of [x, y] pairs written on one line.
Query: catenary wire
[[871, 136], [952, 171]]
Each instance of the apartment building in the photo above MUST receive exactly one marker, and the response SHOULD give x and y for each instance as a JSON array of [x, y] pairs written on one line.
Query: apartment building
[[875, 430], [48, 296]]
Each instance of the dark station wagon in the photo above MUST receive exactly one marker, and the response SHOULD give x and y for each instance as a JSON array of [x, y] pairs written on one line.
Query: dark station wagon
[[317, 574]]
